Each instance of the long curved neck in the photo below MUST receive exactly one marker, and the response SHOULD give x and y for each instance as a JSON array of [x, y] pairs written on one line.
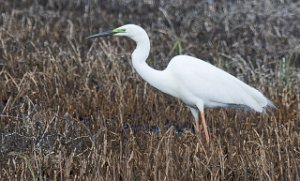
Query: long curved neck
[[139, 57]]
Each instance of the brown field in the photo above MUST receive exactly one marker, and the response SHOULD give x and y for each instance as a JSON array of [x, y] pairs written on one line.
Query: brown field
[[73, 109]]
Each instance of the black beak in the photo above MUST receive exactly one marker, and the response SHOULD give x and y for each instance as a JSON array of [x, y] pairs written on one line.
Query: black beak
[[102, 34]]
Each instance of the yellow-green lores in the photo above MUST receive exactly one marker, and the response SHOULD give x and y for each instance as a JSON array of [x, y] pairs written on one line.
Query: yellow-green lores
[[119, 30]]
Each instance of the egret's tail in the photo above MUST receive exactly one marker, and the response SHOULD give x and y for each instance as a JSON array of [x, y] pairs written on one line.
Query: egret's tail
[[257, 101]]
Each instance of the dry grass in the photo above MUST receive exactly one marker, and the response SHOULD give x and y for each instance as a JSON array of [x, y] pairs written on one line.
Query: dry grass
[[75, 110]]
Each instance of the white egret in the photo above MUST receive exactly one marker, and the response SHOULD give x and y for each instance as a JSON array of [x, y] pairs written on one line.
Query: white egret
[[196, 82]]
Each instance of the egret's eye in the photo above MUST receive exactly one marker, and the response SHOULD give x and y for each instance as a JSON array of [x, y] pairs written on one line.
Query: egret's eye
[[118, 30]]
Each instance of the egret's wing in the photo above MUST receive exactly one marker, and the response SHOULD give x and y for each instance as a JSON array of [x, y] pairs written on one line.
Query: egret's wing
[[213, 85]]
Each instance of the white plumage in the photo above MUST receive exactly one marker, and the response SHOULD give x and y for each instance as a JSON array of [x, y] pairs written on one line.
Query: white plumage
[[196, 82], [212, 85]]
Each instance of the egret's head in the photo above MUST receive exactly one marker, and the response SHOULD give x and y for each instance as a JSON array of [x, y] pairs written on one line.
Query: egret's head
[[132, 31]]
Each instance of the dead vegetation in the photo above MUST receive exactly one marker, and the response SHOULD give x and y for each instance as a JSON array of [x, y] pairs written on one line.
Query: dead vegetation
[[74, 109]]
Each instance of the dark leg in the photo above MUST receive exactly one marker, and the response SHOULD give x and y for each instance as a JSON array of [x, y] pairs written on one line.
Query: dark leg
[[198, 129]]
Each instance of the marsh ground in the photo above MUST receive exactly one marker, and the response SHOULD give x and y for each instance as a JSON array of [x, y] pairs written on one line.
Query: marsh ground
[[73, 109]]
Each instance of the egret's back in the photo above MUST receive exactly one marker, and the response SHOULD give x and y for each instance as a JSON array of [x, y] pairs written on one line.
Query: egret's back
[[197, 79]]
